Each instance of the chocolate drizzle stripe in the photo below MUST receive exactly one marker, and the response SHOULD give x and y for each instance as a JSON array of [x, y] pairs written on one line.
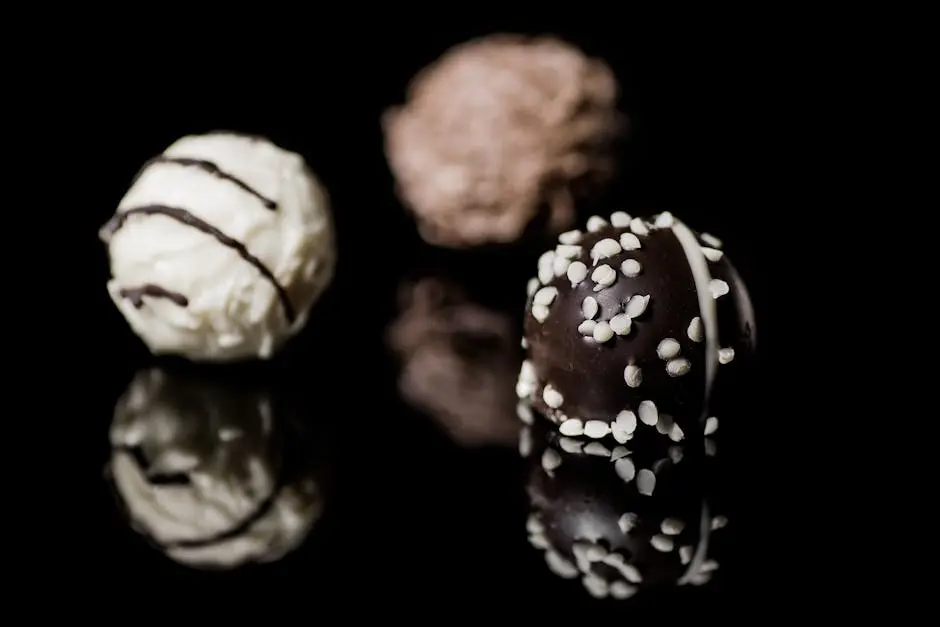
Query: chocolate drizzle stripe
[[184, 217], [136, 294], [214, 170]]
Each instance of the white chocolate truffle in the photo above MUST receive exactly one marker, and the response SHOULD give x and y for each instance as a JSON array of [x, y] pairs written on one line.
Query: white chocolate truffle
[[220, 248]]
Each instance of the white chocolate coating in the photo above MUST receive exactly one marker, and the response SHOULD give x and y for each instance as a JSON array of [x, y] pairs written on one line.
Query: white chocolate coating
[[231, 311]]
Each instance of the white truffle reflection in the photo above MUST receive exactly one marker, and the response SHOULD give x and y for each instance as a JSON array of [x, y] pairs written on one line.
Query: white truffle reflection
[[458, 362], [200, 472]]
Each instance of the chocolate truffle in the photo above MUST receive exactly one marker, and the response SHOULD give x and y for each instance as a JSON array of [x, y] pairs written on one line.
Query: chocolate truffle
[[220, 247], [501, 133], [619, 520], [458, 362], [201, 472], [635, 324]]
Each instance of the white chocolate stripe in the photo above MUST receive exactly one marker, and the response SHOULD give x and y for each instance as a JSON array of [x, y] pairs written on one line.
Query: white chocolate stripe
[[706, 303]]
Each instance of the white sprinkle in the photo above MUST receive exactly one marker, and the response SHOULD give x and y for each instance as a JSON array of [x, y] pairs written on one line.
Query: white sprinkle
[[711, 240], [532, 286], [712, 254], [589, 308], [605, 248], [587, 328], [645, 482], [621, 436], [545, 296], [708, 566], [550, 460], [546, 258], [603, 275], [621, 324], [534, 525], [631, 268], [570, 237], [572, 427], [546, 273], [539, 541], [627, 522], [676, 434], [629, 241], [725, 355], [649, 414], [662, 543], [595, 586], [637, 305], [596, 429], [638, 226], [711, 425], [524, 343], [560, 266], [524, 412], [525, 442], [597, 449], [718, 522], [619, 453], [621, 590], [602, 332], [620, 219], [595, 224], [527, 372], [633, 376], [524, 389], [540, 312], [570, 445], [668, 348], [626, 421], [552, 397], [678, 367], [672, 526], [696, 332], [664, 424], [568, 251], [595, 553], [685, 554], [577, 272], [560, 566], [664, 220], [625, 469], [718, 288]]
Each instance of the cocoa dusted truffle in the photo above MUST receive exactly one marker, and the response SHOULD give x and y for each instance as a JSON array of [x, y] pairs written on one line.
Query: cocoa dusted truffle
[[621, 520], [203, 471], [500, 132], [458, 361], [635, 324]]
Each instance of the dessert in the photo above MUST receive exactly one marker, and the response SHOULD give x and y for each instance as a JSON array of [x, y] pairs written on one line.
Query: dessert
[[458, 362], [635, 324], [220, 247], [500, 135], [201, 471], [623, 520]]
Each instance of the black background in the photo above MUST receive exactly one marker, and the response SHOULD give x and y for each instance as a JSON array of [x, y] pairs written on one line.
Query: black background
[[417, 522]]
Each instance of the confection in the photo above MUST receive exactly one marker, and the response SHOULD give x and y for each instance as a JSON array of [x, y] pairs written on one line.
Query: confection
[[634, 324], [501, 136], [220, 247], [201, 471]]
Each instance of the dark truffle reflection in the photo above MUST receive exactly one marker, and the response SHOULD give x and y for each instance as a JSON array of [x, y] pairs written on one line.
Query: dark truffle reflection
[[459, 361], [202, 472], [622, 520]]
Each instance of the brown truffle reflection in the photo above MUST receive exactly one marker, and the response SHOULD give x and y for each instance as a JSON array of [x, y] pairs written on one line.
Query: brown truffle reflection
[[499, 132], [458, 362]]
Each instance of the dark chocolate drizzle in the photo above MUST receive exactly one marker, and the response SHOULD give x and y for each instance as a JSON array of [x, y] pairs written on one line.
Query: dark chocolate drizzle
[[185, 217], [214, 170], [136, 294]]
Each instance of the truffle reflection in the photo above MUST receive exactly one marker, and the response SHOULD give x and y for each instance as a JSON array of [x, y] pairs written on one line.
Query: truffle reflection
[[458, 362], [620, 519], [202, 472]]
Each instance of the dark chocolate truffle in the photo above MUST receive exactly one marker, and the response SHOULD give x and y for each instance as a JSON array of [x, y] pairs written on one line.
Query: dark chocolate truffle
[[500, 133], [203, 471], [458, 362], [622, 521], [635, 323]]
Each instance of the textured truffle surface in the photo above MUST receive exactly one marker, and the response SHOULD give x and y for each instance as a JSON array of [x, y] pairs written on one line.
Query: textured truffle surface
[[200, 471], [500, 132], [458, 362], [635, 322], [220, 247], [621, 520]]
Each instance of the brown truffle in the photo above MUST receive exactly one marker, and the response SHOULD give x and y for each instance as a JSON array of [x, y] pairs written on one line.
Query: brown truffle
[[459, 361], [499, 132]]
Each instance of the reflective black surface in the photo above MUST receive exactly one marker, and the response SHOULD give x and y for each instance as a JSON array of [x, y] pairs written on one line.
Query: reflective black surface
[[314, 478]]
